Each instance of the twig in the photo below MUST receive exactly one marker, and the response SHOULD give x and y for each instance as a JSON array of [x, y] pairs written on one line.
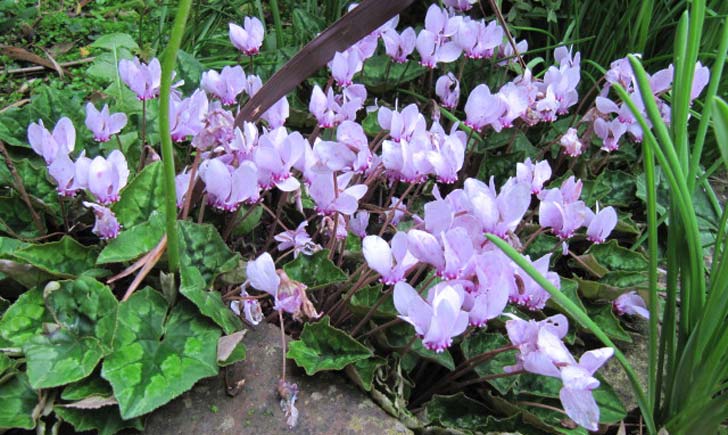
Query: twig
[[32, 69], [283, 344], [502, 20], [190, 186], [21, 189], [152, 260]]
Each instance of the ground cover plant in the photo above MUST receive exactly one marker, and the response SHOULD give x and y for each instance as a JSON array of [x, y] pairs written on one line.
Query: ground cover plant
[[463, 206]]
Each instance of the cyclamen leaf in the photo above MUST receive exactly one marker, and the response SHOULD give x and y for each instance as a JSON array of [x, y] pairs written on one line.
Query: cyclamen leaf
[[457, 412], [605, 318], [400, 335], [203, 256], [382, 75], [65, 258], [362, 372], [142, 196], [106, 420], [158, 356], [84, 313], [115, 40], [24, 319], [15, 218], [91, 386], [18, 401], [323, 347], [363, 300], [133, 242], [314, 270], [5, 363], [483, 342], [615, 257]]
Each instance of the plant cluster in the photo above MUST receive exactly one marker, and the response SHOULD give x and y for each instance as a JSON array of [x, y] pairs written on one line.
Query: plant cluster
[[434, 284]]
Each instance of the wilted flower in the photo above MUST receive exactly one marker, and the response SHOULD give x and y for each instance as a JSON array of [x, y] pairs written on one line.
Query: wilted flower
[[447, 88], [106, 226], [103, 124], [143, 79], [250, 307], [571, 143], [631, 303], [248, 38], [297, 239], [288, 393]]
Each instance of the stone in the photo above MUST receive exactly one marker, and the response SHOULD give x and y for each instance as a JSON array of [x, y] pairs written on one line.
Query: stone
[[327, 403]]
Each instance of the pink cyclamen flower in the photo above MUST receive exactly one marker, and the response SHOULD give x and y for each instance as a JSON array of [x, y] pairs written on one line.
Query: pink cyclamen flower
[[107, 176], [251, 309], [47, 145], [631, 303], [330, 198], [226, 85], [498, 213], [399, 46], [460, 5], [483, 108], [447, 88], [187, 117], [229, 187], [143, 79], [601, 225], [69, 176], [344, 65], [533, 174], [297, 239], [104, 124], [578, 383], [526, 291], [524, 334], [488, 300], [358, 223], [571, 143], [181, 184], [436, 320], [106, 226], [477, 39], [392, 263], [248, 38], [277, 114]]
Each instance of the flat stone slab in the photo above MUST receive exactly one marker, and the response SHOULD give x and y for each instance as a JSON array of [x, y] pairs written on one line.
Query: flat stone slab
[[327, 403]]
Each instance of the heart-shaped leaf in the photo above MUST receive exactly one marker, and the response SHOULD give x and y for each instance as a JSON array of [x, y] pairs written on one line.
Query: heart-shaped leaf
[[18, 401], [203, 256], [106, 420], [483, 342], [142, 196], [24, 319], [133, 242], [323, 347], [65, 258], [157, 356], [314, 270], [84, 314]]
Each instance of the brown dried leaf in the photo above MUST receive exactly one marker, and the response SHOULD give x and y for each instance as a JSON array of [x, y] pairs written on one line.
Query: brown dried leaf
[[227, 343], [92, 402]]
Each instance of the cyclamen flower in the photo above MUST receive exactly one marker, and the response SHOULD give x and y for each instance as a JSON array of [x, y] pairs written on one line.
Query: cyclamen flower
[[276, 154], [48, 145], [436, 320], [217, 128], [226, 85], [404, 124], [330, 198], [344, 65], [451, 252], [460, 5], [524, 334], [69, 176], [571, 143], [392, 263], [447, 153], [358, 223], [562, 211], [289, 296], [488, 300], [483, 108], [228, 187], [631, 303], [248, 38], [434, 43], [330, 109], [106, 226], [533, 174], [187, 117], [103, 124], [526, 291], [477, 39], [399, 46], [277, 114], [601, 225], [181, 184], [498, 214], [579, 381], [107, 176], [143, 79], [447, 88], [251, 309], [297, 239]]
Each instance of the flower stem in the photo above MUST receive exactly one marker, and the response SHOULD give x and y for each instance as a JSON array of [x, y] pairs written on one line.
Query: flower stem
[[170, 200]]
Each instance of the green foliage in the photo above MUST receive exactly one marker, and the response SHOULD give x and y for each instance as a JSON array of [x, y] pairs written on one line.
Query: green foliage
[[314, 270], [158, 353], [482, 342], [84, 314], [133, 242], [65, 258], [204, 256], [19, 400], [106, 420], [363, 300], [323, 347], [141, 198], [363, 371], [24, 319]]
